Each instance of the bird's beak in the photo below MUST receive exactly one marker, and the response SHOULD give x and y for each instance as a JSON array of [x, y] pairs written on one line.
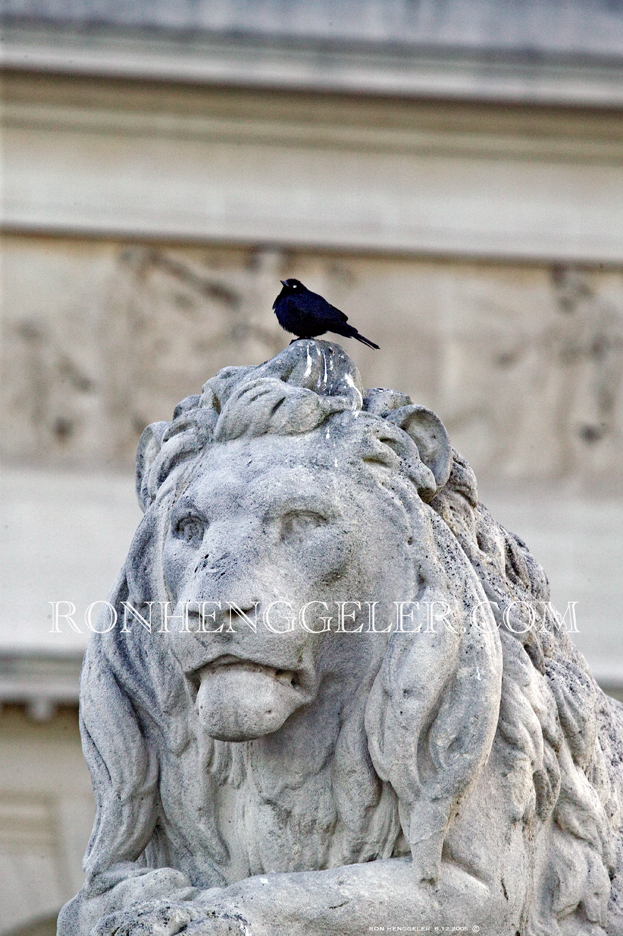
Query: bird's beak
[[283, 282]]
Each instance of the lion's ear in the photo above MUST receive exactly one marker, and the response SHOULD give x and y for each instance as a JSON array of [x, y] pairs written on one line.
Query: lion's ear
[[430, 436], [149, 446]]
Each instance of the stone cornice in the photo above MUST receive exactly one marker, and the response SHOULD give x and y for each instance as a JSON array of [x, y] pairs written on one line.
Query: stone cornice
[[269, 62], [196, 164], [40, 681]]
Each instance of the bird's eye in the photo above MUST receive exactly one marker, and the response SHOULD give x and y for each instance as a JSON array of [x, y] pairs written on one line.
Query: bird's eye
[[294, 285], [190, 529]]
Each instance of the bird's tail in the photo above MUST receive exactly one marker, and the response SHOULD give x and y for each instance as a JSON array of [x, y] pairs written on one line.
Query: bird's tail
[[349, 331], [363, 340]]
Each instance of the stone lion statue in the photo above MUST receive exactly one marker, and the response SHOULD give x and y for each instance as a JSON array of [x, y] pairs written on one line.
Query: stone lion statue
[[400, 743]]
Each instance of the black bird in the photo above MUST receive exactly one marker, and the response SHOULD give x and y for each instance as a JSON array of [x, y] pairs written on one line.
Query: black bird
[[306, 314]]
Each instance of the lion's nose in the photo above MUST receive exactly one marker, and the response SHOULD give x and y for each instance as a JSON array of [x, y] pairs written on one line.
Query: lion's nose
[[203, 565], [246, 609], [223, 623], [214, 562]]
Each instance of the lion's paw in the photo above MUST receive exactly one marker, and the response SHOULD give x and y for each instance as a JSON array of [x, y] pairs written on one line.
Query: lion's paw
[[165, 918], [150, 918]]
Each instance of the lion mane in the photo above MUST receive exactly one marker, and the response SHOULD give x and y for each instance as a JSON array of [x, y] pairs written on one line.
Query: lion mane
[[549, 721]]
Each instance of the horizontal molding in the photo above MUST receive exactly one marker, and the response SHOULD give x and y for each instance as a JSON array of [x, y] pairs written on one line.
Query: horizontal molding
[[442, 141], [39, 681], [305, 65], [249, 178]]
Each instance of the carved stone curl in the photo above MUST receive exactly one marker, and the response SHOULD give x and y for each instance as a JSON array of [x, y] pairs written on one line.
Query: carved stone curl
[[356, 707]]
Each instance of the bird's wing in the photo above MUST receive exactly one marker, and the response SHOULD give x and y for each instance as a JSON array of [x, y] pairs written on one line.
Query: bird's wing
[[338, 313]]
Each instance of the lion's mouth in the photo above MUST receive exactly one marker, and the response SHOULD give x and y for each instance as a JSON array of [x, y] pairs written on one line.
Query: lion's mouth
[[238, 699], [286, 677]]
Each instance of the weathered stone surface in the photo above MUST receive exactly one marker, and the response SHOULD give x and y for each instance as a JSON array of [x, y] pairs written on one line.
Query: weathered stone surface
[[265, 771]]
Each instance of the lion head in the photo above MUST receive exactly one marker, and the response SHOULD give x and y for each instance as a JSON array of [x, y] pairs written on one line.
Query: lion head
[[286, 487]]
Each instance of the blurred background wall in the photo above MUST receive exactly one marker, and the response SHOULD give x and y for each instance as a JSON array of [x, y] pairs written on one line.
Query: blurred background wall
[[449, 173]]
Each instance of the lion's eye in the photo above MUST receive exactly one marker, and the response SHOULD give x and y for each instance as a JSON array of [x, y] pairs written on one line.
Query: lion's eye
[[297, 525], [190, 529]]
